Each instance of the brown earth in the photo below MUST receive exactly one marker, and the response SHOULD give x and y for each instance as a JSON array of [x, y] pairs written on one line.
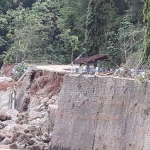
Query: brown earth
[[4, 85], [5, 82], [46, 81], [37, 92], [6, 69]]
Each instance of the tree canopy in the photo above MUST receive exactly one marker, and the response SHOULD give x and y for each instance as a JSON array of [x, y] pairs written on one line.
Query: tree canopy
[[62, 30]]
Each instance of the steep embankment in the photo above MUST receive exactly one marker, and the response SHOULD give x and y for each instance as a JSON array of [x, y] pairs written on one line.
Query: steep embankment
[[37, 104], [94, 113], [6, 70], [36, 101], [99, 113]]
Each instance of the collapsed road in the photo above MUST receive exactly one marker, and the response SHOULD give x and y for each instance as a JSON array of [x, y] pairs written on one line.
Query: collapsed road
[[61, 111]]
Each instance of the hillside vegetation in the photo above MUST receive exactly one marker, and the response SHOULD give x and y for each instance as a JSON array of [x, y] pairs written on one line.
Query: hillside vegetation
[[61, 30]]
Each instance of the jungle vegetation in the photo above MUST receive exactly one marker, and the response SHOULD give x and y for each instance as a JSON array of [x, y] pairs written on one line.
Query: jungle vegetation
[[61, 30]]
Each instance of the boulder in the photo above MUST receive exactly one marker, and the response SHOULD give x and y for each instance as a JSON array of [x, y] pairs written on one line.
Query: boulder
[[34, 147], [2, 137], [2, 125], [13, 146], [7, 141], [4, 117]]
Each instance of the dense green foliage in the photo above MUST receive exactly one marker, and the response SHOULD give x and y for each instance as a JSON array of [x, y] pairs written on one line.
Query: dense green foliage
[[61, 30], [97, 19], [147, 36]]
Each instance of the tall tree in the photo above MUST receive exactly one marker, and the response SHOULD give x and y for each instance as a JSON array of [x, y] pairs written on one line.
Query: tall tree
[[72, 24], [147, 35], [56, 29], [96, 26]]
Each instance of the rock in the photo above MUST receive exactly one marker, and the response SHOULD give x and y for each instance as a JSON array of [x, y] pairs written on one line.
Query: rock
[[35, 131], [25, 137], [16, 136], [22, 118], [13, 113], [2, 137], [7, 69], [8, 122], [53, 100], [4, 117], [31, 142], [43, 100], [2, 125], [23, 140], [7, 141], [34, 147], [10, 127], [28, 127], [25, 103], [44, 146], [13, 146], [45, 138], [6, 133]]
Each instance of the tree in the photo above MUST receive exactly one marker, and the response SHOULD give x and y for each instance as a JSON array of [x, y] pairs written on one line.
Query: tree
[[72, 22], [147, 35], [24, 32], [125, 30], [96, 25], [62, 30], [29, 29], [126, 40]]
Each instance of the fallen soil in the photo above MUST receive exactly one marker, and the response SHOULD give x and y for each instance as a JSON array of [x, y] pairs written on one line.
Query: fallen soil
[[5, 84], [46, 81], [6, 70], [30, 126]]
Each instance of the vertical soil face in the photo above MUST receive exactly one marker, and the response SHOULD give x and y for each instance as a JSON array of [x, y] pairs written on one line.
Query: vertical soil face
[[39, 84], [36, 101], [37, 96], [4, 85], [6, 69], [49, 82]]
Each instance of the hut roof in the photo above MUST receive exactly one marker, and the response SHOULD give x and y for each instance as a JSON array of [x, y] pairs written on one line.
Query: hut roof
[[91, 59]]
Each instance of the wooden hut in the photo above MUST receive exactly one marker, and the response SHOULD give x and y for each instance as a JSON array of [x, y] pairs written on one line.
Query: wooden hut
[[91, 60]]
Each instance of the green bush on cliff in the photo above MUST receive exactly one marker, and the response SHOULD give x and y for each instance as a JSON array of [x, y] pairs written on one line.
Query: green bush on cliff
[[19, 70]]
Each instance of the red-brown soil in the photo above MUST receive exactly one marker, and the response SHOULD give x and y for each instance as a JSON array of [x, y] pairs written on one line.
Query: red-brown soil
[[6, 69], [5, 84], [49, 82]]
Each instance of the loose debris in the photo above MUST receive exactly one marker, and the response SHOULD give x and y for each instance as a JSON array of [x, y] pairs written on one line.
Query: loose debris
[[30, 128]]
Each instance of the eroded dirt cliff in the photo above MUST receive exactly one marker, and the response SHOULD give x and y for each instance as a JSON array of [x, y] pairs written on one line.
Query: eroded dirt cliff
[[6, 69], [30, 125]]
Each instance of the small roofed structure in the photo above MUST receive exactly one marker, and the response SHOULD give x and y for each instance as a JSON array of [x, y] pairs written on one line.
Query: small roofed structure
[[91, 59]]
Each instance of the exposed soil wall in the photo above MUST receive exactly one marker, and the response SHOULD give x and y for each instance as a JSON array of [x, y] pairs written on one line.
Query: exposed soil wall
[[46, 81], [30, 126], [4, 85], [99, 113], [38, 85], [6, 69]]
